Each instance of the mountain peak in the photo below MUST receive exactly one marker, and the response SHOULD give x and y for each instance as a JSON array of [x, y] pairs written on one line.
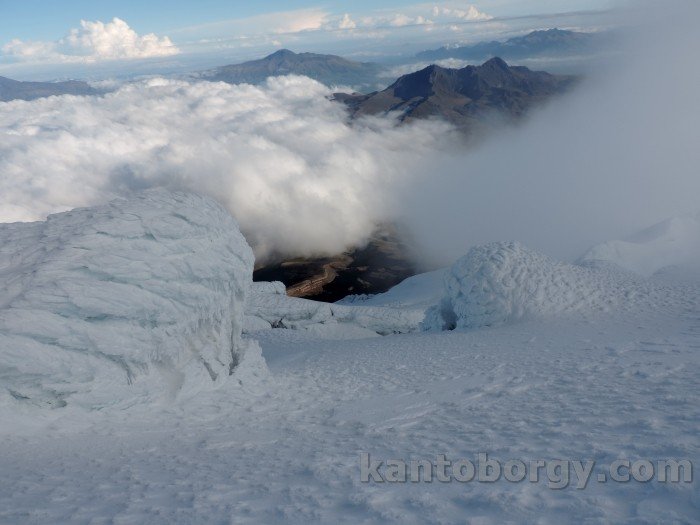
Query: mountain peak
[[462, 96], [431, 68], [282, 53], [495, 63], [327, 69], [419, 83]]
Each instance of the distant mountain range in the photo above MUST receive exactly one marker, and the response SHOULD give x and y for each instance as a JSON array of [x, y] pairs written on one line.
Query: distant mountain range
[[327, 69], [552, 42], [464, 97], [14, 89]]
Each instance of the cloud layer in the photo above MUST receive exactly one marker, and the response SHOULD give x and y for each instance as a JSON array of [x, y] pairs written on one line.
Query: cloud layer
[[92, 42], [282, 157], [617, 155], [412, 15], [311, 26]]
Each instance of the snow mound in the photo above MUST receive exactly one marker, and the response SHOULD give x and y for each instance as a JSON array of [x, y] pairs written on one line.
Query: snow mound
[[269, 307], [674, 242], [135, 301], [501, 283], [417, 292]]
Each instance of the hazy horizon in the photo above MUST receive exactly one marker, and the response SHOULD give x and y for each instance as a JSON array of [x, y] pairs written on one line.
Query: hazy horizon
[[119, 40]]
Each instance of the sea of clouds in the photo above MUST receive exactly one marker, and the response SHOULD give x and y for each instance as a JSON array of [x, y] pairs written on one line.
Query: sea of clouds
[[616, 155], [282, 157]]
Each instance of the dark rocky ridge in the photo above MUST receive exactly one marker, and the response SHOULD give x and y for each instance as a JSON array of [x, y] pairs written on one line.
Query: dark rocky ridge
[[383, 263], [470, 98], [17, 90], [327, 69]]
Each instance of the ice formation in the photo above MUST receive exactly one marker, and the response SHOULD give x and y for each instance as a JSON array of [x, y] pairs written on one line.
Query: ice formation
[[138, 300], [498, 283]]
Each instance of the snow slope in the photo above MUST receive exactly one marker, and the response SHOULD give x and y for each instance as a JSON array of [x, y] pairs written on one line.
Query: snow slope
[[618, 386], [417, 292], [674, 242], [138, 300], [505, 282], [601, 365]]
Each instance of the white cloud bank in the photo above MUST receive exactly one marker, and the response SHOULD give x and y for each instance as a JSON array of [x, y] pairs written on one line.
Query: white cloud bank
[[424, 15], [469, 12], [296, 21], [316, 22], [93, 42], [281, 157], [598, 165], [346, 22]]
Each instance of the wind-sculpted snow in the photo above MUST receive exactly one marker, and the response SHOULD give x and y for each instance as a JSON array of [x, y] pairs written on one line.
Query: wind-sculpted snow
[[138, 300], [499, 283]]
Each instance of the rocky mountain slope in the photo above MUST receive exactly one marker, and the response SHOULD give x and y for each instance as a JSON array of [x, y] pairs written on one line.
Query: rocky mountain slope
[[469, 97], [375, 268], [14, 89], [327, 69]]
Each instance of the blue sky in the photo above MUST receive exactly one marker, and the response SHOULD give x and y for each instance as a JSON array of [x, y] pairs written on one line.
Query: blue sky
[[39, 19], [33, 19], [37, 36]]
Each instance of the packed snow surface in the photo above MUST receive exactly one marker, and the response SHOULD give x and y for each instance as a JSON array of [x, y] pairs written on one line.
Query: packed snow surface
[[618, 378], [288, 450], [140, 299], [505, 282]]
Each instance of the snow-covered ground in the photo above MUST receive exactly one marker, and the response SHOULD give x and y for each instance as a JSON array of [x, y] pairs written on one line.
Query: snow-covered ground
[[415, 293], [289, 450], [588, 363]]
